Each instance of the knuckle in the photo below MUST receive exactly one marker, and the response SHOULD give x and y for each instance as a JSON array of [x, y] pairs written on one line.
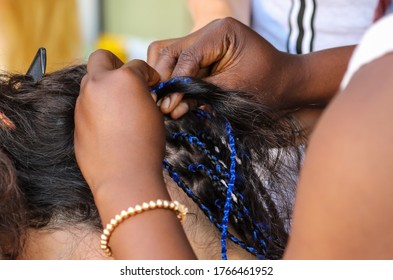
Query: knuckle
[[228, 26], [167, 51], [99, 53], [158, 48], [154, 46], [187, 61], [228, 22], [126, 73]]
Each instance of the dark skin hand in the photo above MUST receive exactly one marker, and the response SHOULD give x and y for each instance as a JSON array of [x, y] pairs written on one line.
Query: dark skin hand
[[119, 147], [233, 56]]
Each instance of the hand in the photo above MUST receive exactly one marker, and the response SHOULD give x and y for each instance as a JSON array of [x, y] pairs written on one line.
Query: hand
[[119, 131], [234, 57]]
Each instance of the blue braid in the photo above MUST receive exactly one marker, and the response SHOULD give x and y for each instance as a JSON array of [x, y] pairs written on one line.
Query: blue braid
[[231, 187], [190, 138], [176, 178], [201, 167], [221, 171], [257, 227], [202, 114], [193, 140], [196, 167], [183, 80], [198, 143]]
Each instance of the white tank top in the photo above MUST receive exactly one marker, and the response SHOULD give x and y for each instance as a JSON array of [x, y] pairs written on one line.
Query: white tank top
[[302, 26]]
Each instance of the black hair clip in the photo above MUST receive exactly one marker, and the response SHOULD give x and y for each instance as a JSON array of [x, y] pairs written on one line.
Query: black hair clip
[[38, 65]]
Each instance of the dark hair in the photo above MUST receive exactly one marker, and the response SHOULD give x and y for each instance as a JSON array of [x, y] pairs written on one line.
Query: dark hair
[[42, 186]]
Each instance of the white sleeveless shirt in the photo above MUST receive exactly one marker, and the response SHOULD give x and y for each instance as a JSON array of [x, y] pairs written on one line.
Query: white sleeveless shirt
[[302, 26]]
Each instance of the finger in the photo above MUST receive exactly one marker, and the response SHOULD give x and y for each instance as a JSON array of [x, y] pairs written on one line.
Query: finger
[[170, 102], [198, 59], [162, 56], [101, 61], [183, 108], [144, 70]]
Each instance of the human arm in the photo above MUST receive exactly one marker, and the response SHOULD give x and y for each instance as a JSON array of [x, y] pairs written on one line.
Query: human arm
[[205, 11], [233, 56], [343, 202], [119, 147]]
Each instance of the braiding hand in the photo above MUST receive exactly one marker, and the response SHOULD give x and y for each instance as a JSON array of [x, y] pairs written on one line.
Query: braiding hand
[[230, 55], [119, 131]]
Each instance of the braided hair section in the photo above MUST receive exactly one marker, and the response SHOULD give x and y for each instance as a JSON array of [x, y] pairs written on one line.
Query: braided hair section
[[237, 162]]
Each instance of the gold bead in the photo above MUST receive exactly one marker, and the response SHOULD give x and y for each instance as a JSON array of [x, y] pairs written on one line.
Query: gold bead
[[118, 218], [152, 205], [131, 211], [104, 242], [110, 227], [165, 203], [138, 209], [108, 251], [104, 247], [182, 212], [124, 214], [114, 222], [145, 206], [159, 203], [104, 237], [106, 232]]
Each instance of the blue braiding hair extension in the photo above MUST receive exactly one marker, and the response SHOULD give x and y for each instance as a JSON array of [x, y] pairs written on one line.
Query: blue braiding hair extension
[[223, 180], [210, 172], [231, 187], [223, 226], [202, 114], [176, 178], [183, 80]]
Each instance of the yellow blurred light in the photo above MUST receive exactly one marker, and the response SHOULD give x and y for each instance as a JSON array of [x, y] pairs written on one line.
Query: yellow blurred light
[[113, 43]]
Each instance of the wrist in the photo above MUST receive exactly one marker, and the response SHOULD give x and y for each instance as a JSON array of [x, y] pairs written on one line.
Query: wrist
[[314, 78], [120, 193]]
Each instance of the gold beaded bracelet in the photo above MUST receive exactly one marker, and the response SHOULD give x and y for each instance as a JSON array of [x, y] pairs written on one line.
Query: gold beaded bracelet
[[179, 209]]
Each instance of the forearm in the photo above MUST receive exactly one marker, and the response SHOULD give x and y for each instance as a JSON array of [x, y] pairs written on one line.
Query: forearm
[[316, 77]]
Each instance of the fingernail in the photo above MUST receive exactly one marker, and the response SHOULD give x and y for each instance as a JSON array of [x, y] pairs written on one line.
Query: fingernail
[[159, 103], [166, 103], [154, 96]]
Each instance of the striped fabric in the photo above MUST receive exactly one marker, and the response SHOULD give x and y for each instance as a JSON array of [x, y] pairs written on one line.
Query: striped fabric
[[301, 19], [303, 26]]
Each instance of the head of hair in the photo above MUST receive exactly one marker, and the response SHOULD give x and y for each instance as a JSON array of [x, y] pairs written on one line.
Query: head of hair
[[236, 160]]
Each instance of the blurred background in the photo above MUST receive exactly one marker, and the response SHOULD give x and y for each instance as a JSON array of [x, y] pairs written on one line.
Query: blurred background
[[71, 29]]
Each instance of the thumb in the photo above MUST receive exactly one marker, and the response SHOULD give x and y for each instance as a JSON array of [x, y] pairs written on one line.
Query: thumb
[[145, 71]]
